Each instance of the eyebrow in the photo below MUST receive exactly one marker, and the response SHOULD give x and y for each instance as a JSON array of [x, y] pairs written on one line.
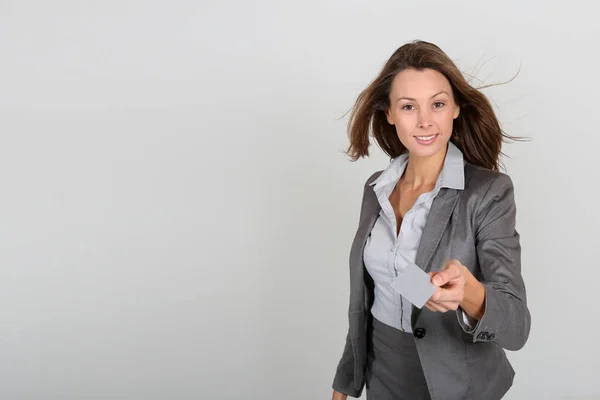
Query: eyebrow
[[411, 99]]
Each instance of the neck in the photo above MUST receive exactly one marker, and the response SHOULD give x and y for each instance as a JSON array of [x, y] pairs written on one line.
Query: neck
[[424, 171]]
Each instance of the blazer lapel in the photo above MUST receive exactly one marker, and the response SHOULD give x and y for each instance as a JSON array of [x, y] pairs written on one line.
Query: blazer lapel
[[437, 220]]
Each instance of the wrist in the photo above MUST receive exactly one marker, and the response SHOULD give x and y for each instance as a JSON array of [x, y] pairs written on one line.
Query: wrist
[[473, 303]]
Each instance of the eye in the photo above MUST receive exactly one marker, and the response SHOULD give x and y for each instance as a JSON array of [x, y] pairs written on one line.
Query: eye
[[439, 104], [406, 107]]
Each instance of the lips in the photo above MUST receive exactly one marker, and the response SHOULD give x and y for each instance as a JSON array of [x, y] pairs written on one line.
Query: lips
[[426, 139]]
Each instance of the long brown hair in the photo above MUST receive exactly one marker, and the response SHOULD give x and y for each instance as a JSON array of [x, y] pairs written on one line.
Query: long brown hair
[[476, 132]]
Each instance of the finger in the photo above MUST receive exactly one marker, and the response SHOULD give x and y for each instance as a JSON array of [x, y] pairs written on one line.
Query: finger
[[452, 270], [436, 307], [447, 295], [431, 306], [431, 275], [435, 297], [442, 307], [449, 306], [433, 300], [441, 278]]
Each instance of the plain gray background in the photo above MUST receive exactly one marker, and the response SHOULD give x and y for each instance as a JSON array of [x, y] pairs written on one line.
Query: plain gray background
[[176, 210]]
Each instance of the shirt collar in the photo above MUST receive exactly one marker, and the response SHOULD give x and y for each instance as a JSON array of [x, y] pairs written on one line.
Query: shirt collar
[[452, 175]]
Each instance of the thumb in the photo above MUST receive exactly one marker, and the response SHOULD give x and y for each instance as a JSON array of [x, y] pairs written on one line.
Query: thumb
[[432, 275], [440, 279]]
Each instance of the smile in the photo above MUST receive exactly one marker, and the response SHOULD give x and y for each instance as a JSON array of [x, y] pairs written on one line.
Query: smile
[[426, 139]]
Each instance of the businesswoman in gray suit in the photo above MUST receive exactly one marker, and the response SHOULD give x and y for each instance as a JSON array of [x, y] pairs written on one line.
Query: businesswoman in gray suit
[[441, 205]]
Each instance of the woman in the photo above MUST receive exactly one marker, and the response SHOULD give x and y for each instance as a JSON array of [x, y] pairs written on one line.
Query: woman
[[440, 206]]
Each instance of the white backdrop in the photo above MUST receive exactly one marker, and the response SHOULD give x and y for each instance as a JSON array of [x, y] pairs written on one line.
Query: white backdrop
[[176, 211]]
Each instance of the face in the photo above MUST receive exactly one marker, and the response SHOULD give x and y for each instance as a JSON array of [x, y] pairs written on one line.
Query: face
[[423, 110]]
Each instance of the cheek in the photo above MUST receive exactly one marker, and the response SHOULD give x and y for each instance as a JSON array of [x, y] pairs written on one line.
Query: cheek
[[403, 130], [404, 124], [446, 122]]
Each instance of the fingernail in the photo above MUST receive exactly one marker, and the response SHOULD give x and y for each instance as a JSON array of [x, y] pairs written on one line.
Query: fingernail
[[437, 280]]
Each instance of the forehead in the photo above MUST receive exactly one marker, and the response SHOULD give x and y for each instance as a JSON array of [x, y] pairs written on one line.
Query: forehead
[[424, 83]]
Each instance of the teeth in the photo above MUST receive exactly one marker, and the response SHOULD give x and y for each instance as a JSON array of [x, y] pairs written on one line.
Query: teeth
[[425, 137]]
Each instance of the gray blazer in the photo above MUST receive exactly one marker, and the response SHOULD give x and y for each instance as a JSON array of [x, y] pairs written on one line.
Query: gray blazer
[[477, 227]]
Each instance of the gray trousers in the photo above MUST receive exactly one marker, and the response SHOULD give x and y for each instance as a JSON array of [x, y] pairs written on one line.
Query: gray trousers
[[394, 370]]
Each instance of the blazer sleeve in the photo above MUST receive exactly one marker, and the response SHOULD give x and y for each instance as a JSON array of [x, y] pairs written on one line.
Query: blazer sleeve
[[506, 319], [343, 381]]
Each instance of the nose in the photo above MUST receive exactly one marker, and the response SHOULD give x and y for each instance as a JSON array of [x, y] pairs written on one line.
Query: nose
[[424, 119]]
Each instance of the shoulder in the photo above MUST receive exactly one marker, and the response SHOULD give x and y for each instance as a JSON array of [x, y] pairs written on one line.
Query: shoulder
[[482, 181], [487, 190]]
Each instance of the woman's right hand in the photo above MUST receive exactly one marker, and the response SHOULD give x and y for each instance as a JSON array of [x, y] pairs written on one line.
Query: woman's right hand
[[338, 396]]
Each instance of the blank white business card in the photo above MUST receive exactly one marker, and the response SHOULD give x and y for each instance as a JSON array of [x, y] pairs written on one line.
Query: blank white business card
[[414, 284]]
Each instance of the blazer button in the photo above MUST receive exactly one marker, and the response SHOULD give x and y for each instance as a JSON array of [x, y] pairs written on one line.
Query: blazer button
[[420, 333]]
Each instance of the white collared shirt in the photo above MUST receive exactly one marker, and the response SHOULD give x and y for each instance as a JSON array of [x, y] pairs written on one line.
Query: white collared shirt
[[385, 252]]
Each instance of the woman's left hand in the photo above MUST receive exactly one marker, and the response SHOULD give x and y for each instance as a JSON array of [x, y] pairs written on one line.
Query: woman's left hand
[[451, 287]]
